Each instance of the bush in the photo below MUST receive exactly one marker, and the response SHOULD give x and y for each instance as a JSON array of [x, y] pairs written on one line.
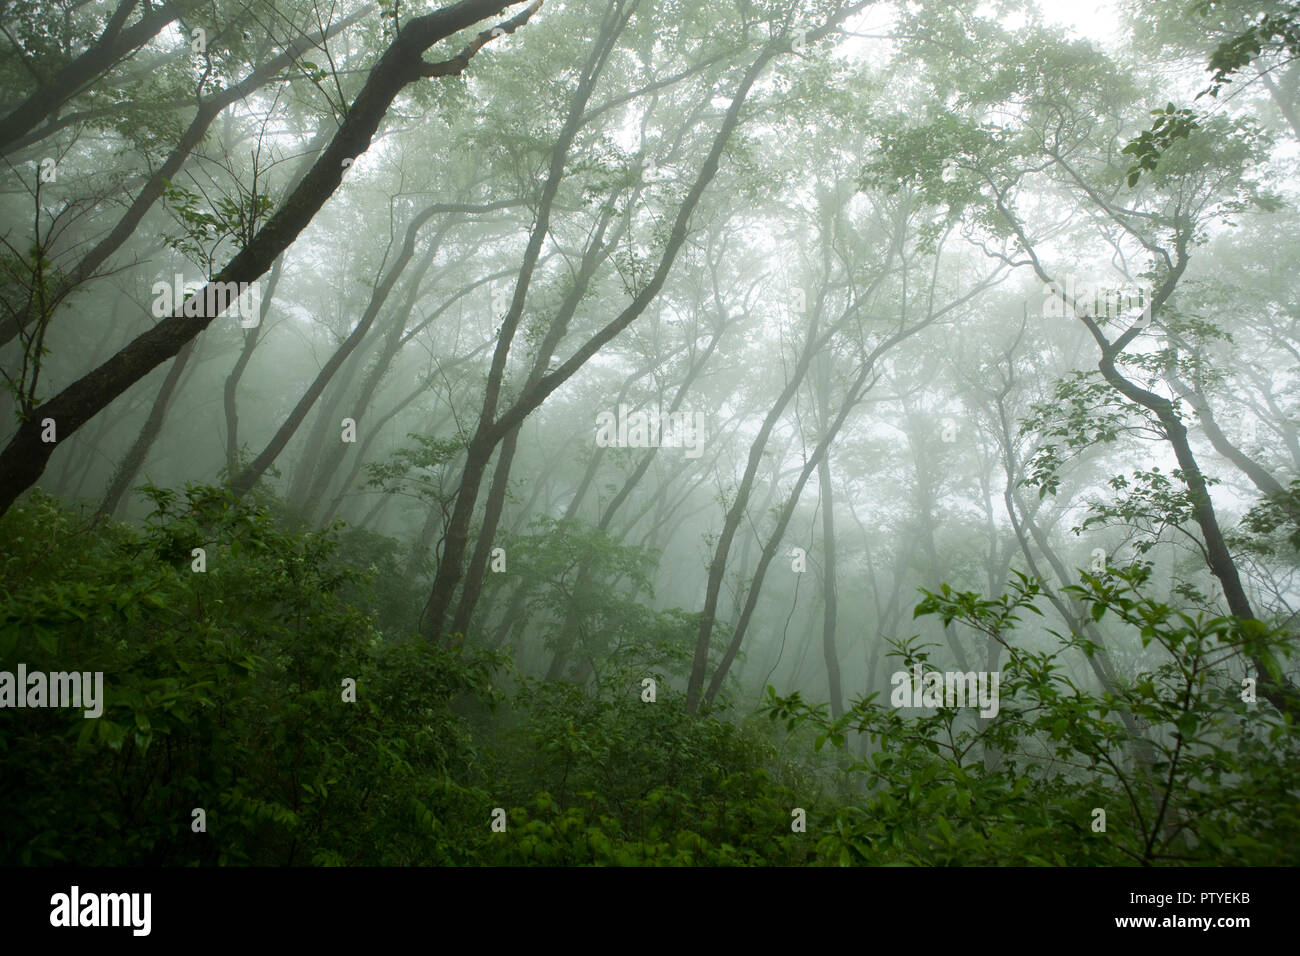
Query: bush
[[629, 782], [1186, 771], [223, 691]]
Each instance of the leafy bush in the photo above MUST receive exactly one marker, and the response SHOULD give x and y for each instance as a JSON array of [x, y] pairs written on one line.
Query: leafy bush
[[627, 781], [224, 691], [1184, 768]]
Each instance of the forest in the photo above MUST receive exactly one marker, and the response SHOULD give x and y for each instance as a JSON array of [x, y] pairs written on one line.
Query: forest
[[649, 433]]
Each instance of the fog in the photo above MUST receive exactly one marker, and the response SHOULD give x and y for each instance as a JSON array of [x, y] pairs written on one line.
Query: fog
[[870, 428]]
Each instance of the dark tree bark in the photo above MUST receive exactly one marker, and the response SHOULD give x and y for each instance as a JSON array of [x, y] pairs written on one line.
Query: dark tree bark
[[24, 458], [483, 442], [488, 434], [144, 200], [331, 457], [470, 590], [116, 42], [1219, 559], [1279, 693], [253, 336]]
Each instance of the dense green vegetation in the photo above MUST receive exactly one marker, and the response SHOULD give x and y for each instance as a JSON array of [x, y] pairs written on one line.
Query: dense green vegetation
[[225, 692], [753, 432]]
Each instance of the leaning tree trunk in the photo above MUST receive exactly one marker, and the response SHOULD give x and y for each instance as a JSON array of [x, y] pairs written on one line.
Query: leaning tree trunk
[[244, 482], [230, 391], [129, 222], [24, 459], [485, 438], [774, 541], [326, 466], [135, 455], [1280, 693], [113, 44], [736, 513], [489, 433]]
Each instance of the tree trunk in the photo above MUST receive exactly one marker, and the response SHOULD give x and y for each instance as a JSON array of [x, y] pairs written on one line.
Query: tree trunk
[[135, 456], [718, 566], [484, 440], [113, 44], [449, 569], [327, 466], [144, 200], [230, 391], [25, 457], [774, 541], [244, 482], [829, 597]]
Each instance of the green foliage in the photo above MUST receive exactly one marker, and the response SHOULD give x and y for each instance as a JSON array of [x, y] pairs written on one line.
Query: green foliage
[[630, 782], [950, 161], [582, 588], [223, 691], [1272, 526], [1084, 411], [1171, 124], [206, 230], [421, 469], [1150, 503], [1278, 30], [1186, 771], [27, 286]]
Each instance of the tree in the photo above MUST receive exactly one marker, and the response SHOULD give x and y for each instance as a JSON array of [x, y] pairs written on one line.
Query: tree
[[401, 64]]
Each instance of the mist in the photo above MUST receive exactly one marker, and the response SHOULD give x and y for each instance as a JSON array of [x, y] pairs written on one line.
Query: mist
[[773, 432]]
